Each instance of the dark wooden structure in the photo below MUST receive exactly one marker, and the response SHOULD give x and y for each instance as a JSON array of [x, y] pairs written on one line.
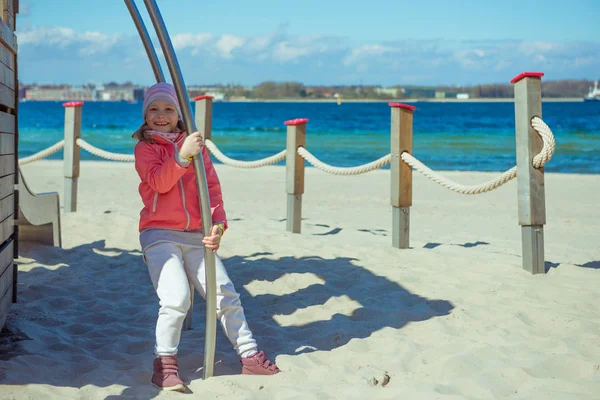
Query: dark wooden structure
[[9, 104]]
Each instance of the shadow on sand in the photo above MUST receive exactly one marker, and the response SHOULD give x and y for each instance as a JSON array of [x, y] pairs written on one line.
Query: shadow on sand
[[89, 320]]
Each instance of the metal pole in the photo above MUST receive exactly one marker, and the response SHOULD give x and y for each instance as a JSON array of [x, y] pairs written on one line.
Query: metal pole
[[209, 257], [141, 28], [158, 74]]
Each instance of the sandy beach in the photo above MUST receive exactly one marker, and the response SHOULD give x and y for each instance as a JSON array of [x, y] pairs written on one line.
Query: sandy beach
[[345, 315]]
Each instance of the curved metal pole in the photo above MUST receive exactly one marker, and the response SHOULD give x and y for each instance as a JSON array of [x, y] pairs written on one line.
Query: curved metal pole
[[160, 77], [141, 28], [184, 102], [209, 256]]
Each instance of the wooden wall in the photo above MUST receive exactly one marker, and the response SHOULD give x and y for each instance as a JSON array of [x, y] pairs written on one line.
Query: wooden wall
[[8, 155]]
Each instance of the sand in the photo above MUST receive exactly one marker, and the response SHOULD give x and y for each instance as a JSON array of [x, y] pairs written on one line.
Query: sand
[[345, 315]]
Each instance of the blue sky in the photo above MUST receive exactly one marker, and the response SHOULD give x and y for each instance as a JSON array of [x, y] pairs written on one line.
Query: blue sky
[[383, 42]]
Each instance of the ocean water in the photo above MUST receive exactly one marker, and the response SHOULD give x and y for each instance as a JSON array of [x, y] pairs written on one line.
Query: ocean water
[[447, 136]]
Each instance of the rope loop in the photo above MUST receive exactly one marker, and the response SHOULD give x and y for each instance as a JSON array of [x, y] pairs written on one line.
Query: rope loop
[[549, 144], [548, 147], [243, 164], [360, 169], [42, 154], [103, 153]]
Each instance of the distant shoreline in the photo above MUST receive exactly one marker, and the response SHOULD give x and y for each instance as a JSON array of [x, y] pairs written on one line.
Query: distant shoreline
[[478, 100]]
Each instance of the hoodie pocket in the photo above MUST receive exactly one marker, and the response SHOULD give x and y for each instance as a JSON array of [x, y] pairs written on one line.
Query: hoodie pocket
[[155, 202]]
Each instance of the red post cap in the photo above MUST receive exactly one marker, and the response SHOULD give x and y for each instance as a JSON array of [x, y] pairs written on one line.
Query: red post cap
[[400, 105], [526, 75], [73, 104], [203, 97], [297, 121]]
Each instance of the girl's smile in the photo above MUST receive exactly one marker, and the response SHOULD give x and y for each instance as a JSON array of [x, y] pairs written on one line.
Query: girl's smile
[[162, 116]]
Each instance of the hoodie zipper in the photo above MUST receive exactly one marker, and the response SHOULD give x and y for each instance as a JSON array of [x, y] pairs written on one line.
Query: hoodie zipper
[[155, 202], [187, 214]]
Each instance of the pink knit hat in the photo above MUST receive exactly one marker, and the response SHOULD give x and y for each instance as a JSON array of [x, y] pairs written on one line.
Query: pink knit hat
[[161, 91]]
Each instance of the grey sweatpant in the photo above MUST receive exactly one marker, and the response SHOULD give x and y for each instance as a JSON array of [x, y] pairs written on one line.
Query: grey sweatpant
[[170, 266]]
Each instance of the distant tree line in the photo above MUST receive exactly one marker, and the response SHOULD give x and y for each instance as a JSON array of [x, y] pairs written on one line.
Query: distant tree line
[[297, 90]]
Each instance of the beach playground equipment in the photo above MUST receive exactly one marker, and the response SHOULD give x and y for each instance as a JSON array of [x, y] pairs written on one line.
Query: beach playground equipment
[[204, 200], [36, 207]]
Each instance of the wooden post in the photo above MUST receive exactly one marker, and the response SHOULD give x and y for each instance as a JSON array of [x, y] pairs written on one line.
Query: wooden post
[[401, 173], [294, 166], [71, 153], [204, 115], [530, 180]]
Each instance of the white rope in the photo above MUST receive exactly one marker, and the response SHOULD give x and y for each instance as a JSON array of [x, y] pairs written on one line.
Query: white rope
[[42, 154], [539, 160], [243, 164], [457, 187], [103, 153], [360, 169], [549, 144]]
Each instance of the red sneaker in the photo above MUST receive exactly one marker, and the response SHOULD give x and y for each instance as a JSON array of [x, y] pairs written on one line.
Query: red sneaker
[[166, 374], [259, 364]]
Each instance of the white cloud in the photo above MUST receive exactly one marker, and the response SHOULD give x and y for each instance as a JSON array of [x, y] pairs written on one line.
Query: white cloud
[[532, 48], [471, 58], [56, 36], [227, 43], [361, 54], [195, 41], [52, 51], [87, 43], [284, 52]]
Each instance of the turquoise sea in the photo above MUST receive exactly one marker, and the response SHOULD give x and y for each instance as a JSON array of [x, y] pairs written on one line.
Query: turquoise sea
[[447, 136]]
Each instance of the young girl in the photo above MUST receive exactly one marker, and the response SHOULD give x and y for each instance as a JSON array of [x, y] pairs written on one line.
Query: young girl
[[172, 239]]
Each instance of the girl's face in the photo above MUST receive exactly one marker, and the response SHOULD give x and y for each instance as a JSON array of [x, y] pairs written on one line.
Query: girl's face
[[162, 116]]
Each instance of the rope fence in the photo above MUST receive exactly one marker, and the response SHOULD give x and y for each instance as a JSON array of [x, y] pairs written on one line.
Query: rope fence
[[539, 160], [401, 159]]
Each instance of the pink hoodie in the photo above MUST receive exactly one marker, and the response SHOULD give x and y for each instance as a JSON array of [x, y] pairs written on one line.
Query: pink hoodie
[[169, 191]]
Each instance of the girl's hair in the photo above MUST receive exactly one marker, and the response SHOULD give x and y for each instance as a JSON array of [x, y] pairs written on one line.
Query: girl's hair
[[140, 134]]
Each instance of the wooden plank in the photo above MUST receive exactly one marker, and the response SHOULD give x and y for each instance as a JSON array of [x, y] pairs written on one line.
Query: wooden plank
[[7, 123], [7, 57], [6, 277], [7, 206], [7, 37], [7, 76], [6, 266], [204, 116], [7, 96], [8, 6], [71, 156], [5, 303], [9, 19], [7, 227], [530, 180], [7, 185], [7, 164], [294, 166], [6, 255], [8, 12], [401, 140], [7, 143], [528, 104]]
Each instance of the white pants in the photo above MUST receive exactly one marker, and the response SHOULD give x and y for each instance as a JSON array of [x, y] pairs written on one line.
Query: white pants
[[170, 266]]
